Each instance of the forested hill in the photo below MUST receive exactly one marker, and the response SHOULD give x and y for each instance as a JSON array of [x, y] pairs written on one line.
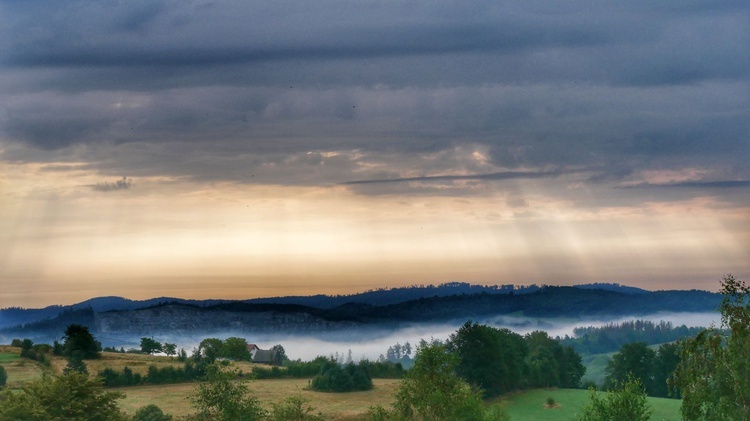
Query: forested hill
[[548, 302], [14, 316]]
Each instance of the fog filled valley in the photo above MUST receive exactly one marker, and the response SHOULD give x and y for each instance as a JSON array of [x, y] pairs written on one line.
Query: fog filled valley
[[373, 341]]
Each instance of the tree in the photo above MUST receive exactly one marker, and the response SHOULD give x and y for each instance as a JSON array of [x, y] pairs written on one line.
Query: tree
[[70, 397], [280, 353], [220, 397], [634, 359], [407, 349], [489, 358], [78, 340], [169, 349], [3, 376], [235, 348], [75, 365], [335, 378], [432, 390], [666, 362], [626, 402], [150, 346], [210, 349], [714, 372]]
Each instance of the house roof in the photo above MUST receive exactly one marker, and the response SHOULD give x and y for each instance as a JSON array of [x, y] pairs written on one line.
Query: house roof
[[265, 356], [250, 347]]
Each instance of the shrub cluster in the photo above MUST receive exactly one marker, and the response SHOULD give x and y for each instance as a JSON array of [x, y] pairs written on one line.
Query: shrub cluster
[[335, 378], [155, 375]]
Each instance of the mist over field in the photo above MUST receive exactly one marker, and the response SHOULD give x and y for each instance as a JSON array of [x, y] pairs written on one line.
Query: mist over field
[[371, 341]]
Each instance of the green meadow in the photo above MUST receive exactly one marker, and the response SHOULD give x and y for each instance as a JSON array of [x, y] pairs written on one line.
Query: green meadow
[[531, 405]]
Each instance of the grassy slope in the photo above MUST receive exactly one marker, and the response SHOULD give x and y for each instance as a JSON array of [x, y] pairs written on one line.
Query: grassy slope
[[595, 366], [172, 399], [19, 370], [529, 405]]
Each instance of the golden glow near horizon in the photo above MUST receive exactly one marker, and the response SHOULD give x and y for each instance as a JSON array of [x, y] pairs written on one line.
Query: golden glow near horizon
[[171, 237], [251, 151]]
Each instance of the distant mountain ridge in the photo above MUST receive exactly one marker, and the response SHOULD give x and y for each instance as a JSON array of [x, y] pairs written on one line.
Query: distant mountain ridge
[[13, 316], [372, 307]]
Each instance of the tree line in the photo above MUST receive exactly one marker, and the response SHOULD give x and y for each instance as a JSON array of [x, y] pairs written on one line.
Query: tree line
[[610, 337]]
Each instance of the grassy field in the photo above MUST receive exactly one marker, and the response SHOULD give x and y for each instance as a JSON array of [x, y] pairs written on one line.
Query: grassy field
[[172, 399], [19, 370], [530, 405]]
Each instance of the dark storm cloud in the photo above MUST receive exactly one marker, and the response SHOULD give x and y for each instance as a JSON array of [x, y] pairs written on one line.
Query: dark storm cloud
[[318, 93]]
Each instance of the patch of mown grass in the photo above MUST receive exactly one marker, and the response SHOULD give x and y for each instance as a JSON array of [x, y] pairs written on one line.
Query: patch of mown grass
[[6, 358], [530, 405]]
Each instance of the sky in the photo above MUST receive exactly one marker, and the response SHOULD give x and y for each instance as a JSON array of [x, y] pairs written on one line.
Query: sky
[[237, 149]]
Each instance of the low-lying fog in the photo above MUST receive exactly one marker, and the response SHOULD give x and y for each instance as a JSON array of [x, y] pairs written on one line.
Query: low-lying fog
[[370, 342]]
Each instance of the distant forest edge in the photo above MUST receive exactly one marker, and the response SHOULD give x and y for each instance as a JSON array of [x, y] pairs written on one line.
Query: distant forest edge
[[455, 301]]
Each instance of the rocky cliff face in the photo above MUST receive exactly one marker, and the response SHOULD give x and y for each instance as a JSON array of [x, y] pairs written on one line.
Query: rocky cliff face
[[179, 319]]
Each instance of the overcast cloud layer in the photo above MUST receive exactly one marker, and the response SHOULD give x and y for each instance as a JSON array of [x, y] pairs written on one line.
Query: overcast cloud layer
[[599, 104]]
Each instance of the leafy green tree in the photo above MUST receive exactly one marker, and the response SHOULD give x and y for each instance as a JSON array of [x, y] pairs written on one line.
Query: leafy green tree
[[626, 402], [634, 359], [75, 365], [27, 344], [280, 353], [151, 412], [571, 368], [3, 376], [666, 362], [433, 391], [542, 363], [234, 348], [489, 358], [210, 349], [169, 349], [714, 372], [150, 346], [221, 397], [70, 397], [79, 340]]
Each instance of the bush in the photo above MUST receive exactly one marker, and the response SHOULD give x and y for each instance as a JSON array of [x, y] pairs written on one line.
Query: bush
[[3, 376], [220, 397], [71, 397], [432, 390], [294, 408], [626, 402], [350, 378], [151, 413]]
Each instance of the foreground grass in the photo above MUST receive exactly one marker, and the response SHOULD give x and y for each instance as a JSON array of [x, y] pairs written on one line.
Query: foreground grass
[[172, 398], [530, 405]]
